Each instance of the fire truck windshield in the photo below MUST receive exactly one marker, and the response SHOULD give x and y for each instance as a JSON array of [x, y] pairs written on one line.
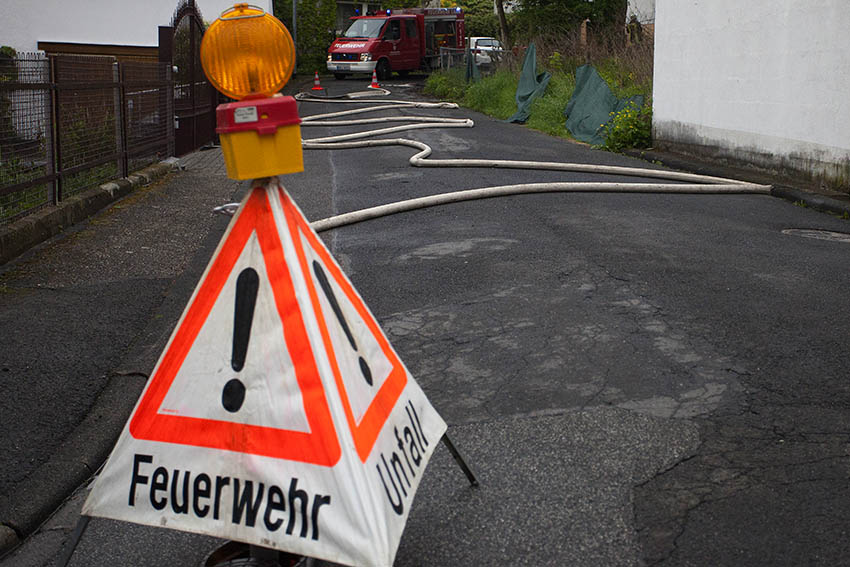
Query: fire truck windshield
[[370, 27]]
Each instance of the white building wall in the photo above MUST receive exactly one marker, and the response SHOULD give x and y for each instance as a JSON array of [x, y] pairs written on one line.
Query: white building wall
[[112, 22], [765, 81]]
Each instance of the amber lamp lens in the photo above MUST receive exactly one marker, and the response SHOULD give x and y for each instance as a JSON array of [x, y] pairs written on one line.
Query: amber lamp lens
[[247, 53]]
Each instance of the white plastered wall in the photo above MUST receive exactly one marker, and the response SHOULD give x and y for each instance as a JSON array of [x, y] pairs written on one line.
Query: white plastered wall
[[109, 22], [761, 81]]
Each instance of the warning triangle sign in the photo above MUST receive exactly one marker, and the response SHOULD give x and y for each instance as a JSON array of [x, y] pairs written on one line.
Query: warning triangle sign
[[368, 374], [278, 414], [166, 415]]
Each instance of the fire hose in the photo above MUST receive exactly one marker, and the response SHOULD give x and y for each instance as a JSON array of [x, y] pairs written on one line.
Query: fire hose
[[684, 183]]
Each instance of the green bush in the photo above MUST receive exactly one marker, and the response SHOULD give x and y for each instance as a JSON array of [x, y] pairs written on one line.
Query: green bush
[[622, 80], [8, 73], [316, 20], [547, 112], [12, 171], [556, 62], [629, 128], [447, 85], [494, 95]]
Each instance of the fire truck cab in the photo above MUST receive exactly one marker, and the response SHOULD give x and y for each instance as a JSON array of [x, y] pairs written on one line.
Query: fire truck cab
[[396, 40]]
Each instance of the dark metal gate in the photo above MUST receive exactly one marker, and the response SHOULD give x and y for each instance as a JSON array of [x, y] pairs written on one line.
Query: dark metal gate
[[69, 123], [194, 97]]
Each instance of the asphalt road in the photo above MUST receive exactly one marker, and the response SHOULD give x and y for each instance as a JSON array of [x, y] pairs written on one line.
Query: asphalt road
[[636, 379]]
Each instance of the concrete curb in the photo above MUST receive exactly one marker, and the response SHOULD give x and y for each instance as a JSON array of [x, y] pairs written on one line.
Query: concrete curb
[[82, 453], [87, 447], [40, 494], [21, 235], [829, 202], [813, 200], [36, 497]]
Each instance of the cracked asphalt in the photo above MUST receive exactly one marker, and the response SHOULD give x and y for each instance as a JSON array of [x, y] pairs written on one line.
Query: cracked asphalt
[[734, 333], [696, 313], [636, 379]]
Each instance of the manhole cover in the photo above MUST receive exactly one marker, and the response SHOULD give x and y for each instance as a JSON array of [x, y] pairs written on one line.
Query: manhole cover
[[818, 234]]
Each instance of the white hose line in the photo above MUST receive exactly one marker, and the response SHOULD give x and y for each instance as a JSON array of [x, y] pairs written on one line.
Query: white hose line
[[311, 120], [419, 160], [698, 184], [321, 143], [354, 217], [356, 94], [428, 119]]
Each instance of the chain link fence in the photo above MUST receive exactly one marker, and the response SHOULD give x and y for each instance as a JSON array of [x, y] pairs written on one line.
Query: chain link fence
[[486, 60], [70, 123]]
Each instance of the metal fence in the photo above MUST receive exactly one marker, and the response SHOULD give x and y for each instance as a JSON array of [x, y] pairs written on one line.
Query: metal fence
[[69, 123], [487, 61]]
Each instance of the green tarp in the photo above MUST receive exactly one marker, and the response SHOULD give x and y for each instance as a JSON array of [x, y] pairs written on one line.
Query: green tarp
[[591, 106], [473, 75], [531, 85]]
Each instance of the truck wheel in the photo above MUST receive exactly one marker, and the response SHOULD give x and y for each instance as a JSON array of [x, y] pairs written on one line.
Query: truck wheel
[[339, 76], [383, 70]]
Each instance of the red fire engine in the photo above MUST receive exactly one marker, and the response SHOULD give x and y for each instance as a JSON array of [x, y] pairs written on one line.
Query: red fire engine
[[396, 40]]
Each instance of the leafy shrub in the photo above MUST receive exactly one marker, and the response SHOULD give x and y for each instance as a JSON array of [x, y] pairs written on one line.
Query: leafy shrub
[[495, 95], [316, 21], [7, 51], [447, 85], [622, 78], [8, 73], [629, 128], [12, 171], [556, 62], [547, 112]]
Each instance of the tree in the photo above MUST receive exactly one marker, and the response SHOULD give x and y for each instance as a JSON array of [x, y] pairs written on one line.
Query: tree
[[536, 17], [479, 17], [316, 19], [503, 24]]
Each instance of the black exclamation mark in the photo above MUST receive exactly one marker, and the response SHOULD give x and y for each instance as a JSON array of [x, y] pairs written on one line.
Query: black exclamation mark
[[247, 285], [329, 293]]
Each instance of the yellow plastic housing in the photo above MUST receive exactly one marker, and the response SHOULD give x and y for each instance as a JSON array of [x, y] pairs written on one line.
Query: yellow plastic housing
[[249, 155], [247, 53]]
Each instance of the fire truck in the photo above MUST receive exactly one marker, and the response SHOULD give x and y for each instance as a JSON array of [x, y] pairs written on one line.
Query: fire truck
[[401, 40]]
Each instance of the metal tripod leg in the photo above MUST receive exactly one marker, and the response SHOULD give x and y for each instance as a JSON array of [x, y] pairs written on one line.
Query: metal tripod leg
[[464, 467]]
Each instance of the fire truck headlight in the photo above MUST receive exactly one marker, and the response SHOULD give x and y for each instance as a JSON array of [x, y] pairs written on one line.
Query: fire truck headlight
[[329, 58], [365, 56]]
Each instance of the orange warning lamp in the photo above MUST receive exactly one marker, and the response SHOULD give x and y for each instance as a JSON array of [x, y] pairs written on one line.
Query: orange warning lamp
[[248, 55]]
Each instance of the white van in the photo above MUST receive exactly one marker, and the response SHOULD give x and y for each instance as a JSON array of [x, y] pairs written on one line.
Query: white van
[[484, 49]]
